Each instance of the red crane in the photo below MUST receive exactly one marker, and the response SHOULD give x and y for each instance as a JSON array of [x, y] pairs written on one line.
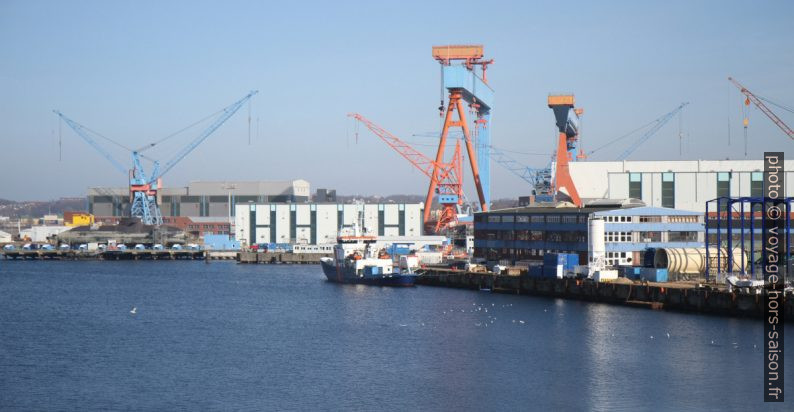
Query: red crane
[[450, 178], [755, 99]]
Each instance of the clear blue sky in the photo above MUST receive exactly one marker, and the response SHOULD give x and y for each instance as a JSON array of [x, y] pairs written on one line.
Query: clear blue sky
[[137, 71]]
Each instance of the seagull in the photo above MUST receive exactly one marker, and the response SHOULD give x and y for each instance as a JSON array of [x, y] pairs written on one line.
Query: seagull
[[712, 342], [668, 335], [134, 310], [521, 322], [651, 336], [403, 325]]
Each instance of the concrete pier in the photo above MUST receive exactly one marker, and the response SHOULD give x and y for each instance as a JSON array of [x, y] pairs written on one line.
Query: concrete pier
[[104, 255], [660, 296]]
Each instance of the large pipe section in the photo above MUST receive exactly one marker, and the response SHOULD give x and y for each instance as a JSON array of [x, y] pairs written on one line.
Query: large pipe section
[[693, 260]]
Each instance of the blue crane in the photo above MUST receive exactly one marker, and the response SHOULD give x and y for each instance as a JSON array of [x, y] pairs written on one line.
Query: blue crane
[[657, 124], [539, 179], [143, 188]]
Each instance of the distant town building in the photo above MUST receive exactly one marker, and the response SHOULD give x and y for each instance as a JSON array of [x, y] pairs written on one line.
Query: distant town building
[[5, 237], [319, 223]]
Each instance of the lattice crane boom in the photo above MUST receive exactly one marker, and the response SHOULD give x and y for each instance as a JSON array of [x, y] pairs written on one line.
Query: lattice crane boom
[[659, 123], [761, 106], [82, 131], [228, 112], [417, 158]]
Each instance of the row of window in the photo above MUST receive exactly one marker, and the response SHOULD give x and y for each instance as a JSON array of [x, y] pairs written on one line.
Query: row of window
[[566, 218], [197, 227], [617, 237]]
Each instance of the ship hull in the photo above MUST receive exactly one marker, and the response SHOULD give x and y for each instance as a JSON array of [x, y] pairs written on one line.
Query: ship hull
[[341, 275]]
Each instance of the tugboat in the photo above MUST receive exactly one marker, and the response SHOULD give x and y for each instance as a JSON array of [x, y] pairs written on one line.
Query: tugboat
[[357, 261]]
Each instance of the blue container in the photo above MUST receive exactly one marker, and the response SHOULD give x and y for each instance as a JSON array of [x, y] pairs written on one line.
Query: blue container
[[553, 259], [550, 271], [654, 274], [572, 260], [567, 260], [536, 271], [632, 272], [647, 257]]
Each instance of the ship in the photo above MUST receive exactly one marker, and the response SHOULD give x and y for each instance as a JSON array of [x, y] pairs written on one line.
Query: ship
[[357, 261]]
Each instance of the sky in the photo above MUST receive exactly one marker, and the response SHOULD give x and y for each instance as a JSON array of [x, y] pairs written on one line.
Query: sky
[[138, 71]]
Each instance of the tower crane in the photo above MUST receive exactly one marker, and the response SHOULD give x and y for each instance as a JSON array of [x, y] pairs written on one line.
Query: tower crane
[[450, 188], [751, 97], [143, 188]]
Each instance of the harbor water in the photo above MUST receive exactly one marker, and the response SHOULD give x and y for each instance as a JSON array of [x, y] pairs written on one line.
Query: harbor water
[[224, 336]]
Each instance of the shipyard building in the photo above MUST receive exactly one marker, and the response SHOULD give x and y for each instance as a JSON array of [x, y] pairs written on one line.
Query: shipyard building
[[678, 184], [201, 199], [319, 223], [527, 233]]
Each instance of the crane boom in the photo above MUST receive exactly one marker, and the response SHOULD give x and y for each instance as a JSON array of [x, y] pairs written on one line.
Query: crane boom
[[418, 159], [540, 179], [82, 131], [647, 135], [228, 112], [758, 103]]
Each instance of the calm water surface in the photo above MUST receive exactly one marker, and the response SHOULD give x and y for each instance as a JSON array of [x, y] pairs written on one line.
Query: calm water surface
[[245, 337]]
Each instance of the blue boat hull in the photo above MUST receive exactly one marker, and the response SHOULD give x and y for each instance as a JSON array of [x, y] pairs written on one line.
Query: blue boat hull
[[395, 279]]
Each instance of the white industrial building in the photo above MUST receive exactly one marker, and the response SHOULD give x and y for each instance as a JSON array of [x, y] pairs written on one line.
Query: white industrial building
[[42, 233], [319, 223], [5, 237], [679, 184]]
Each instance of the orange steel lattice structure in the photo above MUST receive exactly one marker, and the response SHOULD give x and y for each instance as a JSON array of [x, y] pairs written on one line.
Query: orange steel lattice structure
[[448, 176]]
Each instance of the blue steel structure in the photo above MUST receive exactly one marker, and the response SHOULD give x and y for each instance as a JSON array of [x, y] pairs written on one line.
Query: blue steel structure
[[724, 228], [143, 188], [480, 97]]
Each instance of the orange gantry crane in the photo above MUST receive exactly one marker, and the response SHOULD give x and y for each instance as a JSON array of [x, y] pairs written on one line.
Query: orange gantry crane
[[750, 97], [449, 177], [562, 105]]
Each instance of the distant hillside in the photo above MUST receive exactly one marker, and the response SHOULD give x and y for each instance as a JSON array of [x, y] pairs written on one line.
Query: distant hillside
[[16, 209]]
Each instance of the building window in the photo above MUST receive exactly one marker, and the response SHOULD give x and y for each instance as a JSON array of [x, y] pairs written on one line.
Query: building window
[[553, 219], [494, 219], [635, 185], [537, 219], [522, 219], [756, 184], [508, 219], [650, 219], [682, 236], [668, 190], [723, 184], [569, 219]]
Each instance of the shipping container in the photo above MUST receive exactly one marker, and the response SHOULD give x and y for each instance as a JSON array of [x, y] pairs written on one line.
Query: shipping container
[[654, 274]]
